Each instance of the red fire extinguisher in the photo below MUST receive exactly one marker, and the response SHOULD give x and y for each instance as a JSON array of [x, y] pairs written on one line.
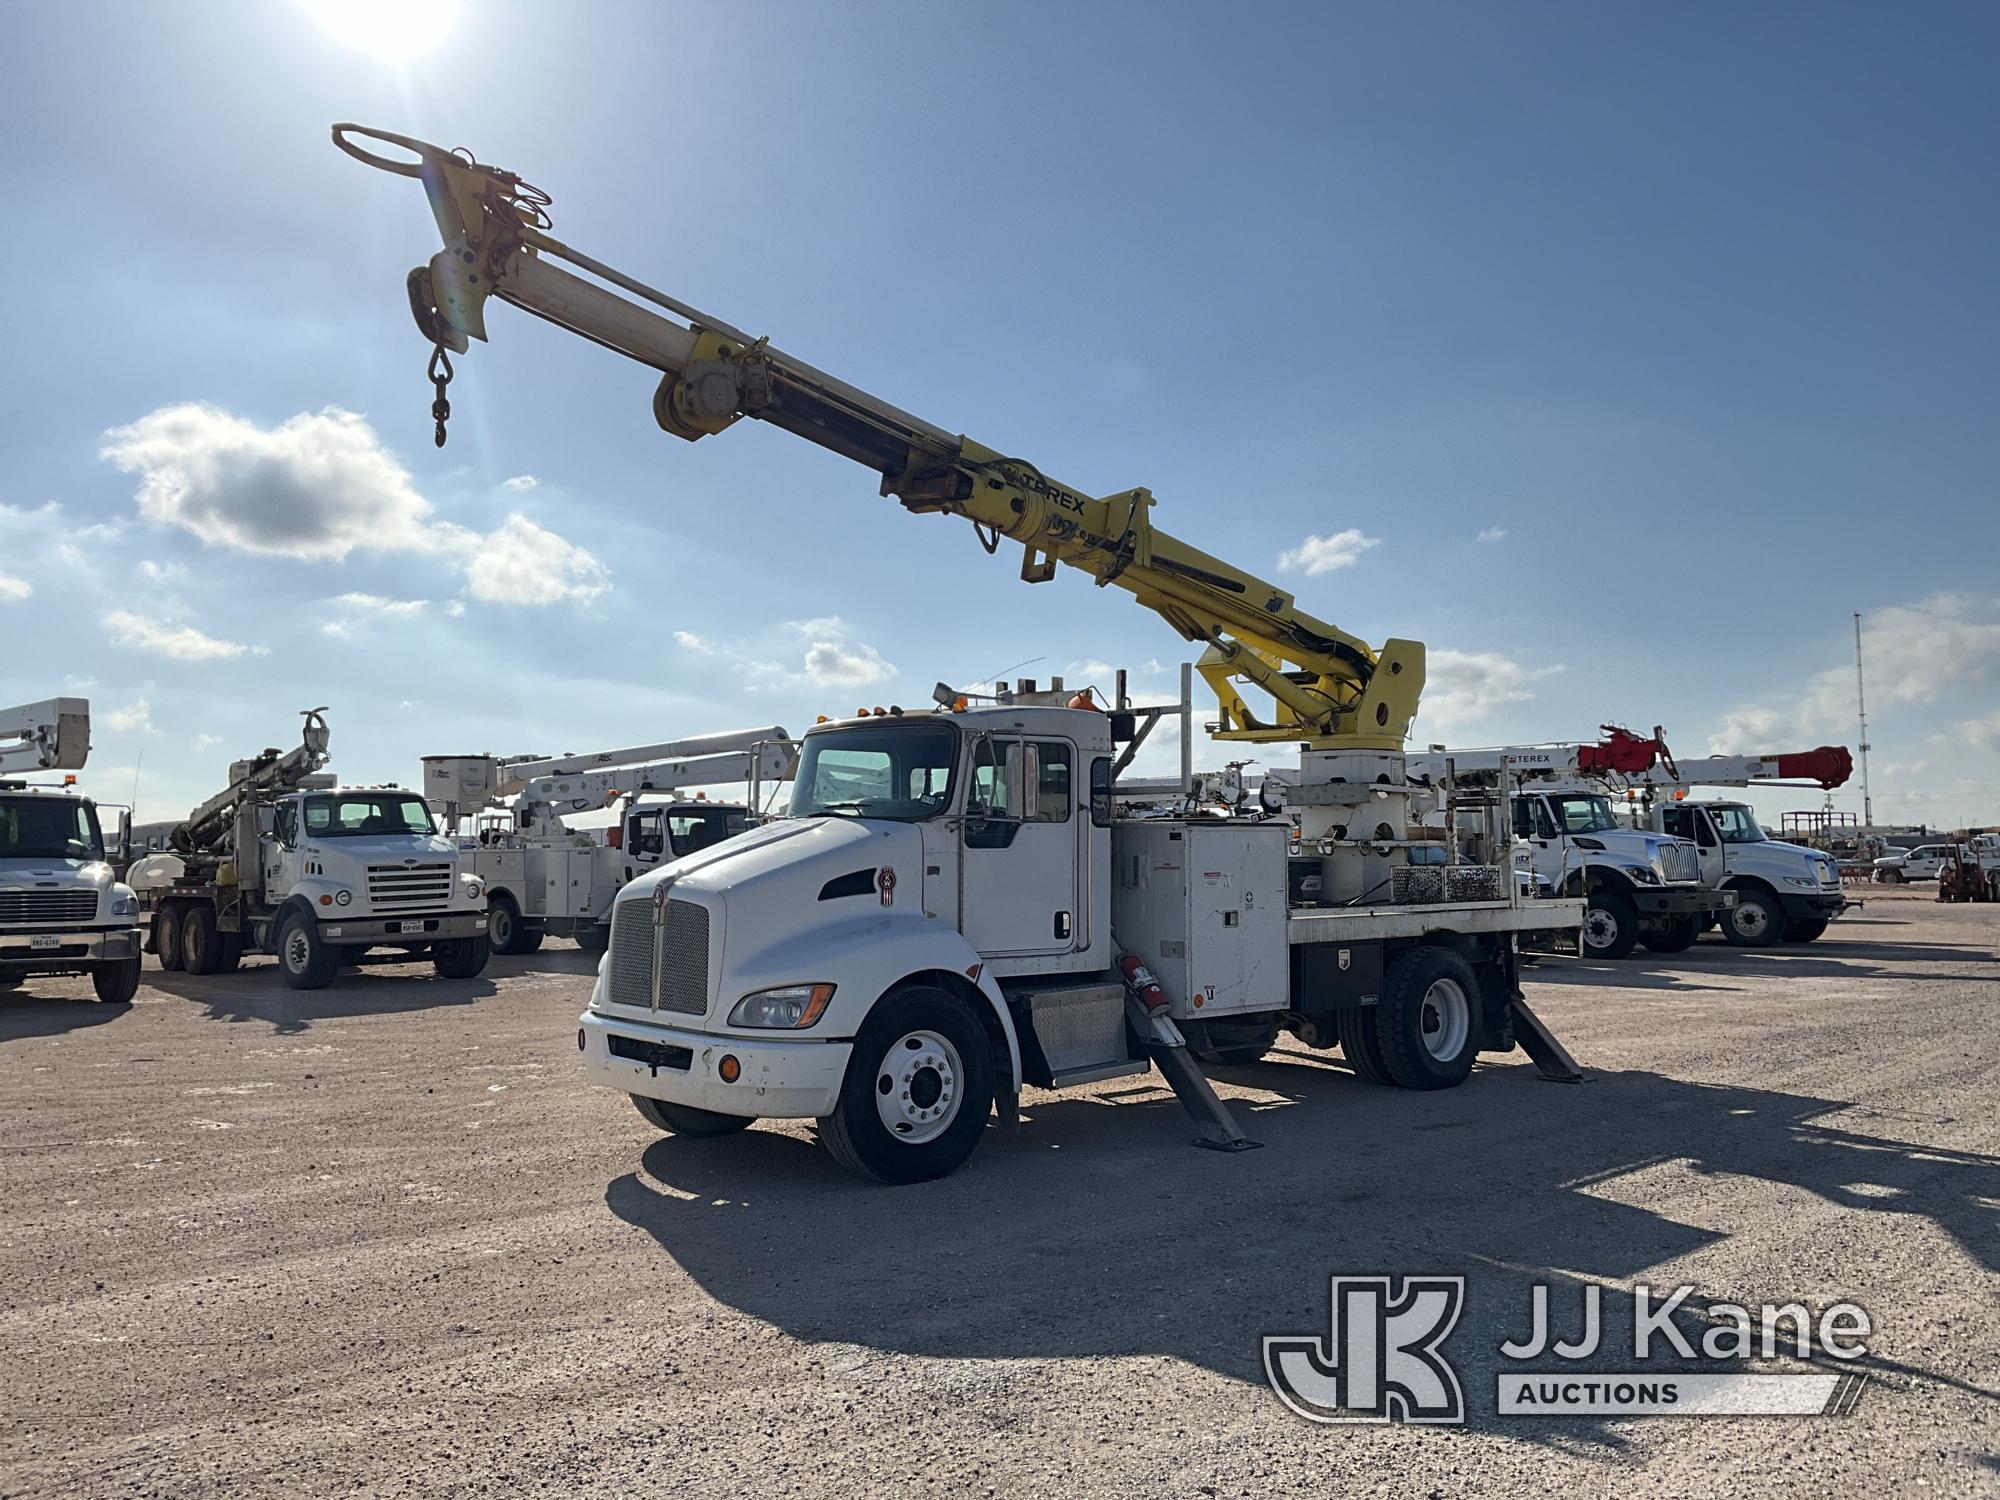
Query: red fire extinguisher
[[1142, 982]]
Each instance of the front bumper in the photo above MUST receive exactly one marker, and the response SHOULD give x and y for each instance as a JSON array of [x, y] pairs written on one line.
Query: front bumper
[[786, 1079], [415, 927], [1669, 902], [74, 949], [1816, 906]]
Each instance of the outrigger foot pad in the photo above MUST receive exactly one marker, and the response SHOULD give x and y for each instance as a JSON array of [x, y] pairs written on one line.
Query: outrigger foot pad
[[1169, 1051], [1550, 1057]]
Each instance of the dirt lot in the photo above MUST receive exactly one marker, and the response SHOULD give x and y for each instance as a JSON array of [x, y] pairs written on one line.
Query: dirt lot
[[380, 1241]]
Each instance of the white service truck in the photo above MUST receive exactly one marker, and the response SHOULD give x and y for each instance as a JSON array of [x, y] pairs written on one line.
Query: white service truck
[[1785, 892], [544, 878], [62, 908], [1639, 886], [286, 861]]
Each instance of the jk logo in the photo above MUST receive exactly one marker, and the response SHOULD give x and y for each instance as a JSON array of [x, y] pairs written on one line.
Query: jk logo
[[1380, 1361]]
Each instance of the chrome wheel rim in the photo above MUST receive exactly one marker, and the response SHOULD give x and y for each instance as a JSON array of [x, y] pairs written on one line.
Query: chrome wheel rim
[[1446, 1019], [1600, 927], [919, 1087], [298, 951], [1752, 918]]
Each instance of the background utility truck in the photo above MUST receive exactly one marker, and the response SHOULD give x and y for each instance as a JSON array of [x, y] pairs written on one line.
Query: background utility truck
[[62, 910], [284, 861], [1639, 886], [546, 879], [952, 910], [1784, 892]]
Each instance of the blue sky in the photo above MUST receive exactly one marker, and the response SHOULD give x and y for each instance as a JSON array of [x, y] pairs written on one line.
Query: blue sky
[[1638, 345]]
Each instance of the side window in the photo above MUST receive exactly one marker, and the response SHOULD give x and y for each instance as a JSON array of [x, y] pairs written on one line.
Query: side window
[[993, 763], [1524, 817], [1100, 791], [1049, 775], [1704, 830], [1545, 825], [319, 816], [288, 826], [1674, 820]]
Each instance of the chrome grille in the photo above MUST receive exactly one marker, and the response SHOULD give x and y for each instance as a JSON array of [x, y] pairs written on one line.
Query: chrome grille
[[47, 906], [1682, 862], [407, 887], [670, 963], [628, 977]]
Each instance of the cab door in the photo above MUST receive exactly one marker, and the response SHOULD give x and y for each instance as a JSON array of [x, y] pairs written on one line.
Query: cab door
[[1690, 821], [283, 859], [1019, 840], [1536, 828]]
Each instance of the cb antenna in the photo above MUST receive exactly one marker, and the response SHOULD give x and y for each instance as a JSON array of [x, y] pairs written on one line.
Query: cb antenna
[[1861, 703]]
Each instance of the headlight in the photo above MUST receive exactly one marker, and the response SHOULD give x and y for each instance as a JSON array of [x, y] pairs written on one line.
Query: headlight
[[790, 1008], [343, 898], [126, 905], [472, 885], [1805, 880], [1644, 875]]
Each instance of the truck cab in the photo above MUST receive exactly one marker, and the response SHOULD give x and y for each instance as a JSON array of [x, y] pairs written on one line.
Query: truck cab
[[62, 909], [1784, 892], [1641, 885]]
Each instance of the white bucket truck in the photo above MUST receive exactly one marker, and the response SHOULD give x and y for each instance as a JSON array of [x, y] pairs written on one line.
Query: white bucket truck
[[286, 861], [545, 879], [62, 909]]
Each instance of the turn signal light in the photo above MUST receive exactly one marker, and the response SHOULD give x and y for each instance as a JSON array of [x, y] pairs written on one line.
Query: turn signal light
[[326, 900], [729, 1069]]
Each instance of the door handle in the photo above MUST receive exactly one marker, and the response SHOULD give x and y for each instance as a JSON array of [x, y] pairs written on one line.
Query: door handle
[[1062, 924]]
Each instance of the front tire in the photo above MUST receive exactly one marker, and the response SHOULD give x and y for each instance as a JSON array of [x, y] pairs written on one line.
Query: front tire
[[305, 959], [1755, 921], [685, 1119], [505, 930], [460, 958], [1676, 937], [594, 938], [918, 1088], [117, 983], [1610, 925], [1427, 1019], [167, 937], [1805, 932]]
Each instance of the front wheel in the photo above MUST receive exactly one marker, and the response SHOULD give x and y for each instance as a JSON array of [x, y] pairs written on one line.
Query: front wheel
[[1805, 932], [594, 938], [1676, 936], [305, 959], [460, 958], [117, 983], [1426, 1019], [505, 930], [1755, 921], [1610, 925], [685, 1119], [914, 1102]]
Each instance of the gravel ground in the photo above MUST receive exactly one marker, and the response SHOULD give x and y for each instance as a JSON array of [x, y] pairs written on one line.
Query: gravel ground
[[379, 1240]]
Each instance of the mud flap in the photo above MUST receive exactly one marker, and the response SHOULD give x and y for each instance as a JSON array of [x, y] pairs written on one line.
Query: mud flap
[[1169, 1051]]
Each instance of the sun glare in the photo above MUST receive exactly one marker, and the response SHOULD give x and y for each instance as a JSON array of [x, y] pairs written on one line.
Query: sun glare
[[391, 31]]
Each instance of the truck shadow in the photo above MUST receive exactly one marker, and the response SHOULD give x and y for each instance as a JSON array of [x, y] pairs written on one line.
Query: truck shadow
[[24, 1014], [256, 994], [1095, 1231]]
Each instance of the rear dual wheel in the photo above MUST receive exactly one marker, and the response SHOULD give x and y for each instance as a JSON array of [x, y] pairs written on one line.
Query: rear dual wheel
[[167, 937]]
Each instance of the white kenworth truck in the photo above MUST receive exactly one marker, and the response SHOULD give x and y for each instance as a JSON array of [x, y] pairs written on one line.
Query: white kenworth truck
[[285, 861], [1784, 892], [953, 910], [62, 909], [545, 879], [1639, 886]]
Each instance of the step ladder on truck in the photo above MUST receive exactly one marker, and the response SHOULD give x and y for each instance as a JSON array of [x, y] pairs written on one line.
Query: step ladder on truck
[[62, 908], [952, 910]]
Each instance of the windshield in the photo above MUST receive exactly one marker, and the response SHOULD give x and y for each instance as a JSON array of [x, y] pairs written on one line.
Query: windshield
[[890, 770], [1583, 812], [1736, 824], [342, 815], [49, 828]]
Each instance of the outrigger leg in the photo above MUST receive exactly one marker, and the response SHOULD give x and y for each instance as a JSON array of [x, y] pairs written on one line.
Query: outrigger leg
[[1550, 1057], [1169, 1051]]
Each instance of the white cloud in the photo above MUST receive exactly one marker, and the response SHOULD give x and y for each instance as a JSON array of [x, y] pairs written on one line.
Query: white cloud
[[12, 588], [321, 485], [837, 664], [1493, 534], [136, 718], [159, 572], [1918, 767], [207, 741], [181, 642], [354, 610], [1983, 733], [696, 643], [1463, 687], [1324, 554], [520, 484], [1917, 653]]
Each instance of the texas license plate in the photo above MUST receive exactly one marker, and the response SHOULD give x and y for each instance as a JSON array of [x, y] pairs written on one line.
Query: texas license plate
[[44, 941]]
